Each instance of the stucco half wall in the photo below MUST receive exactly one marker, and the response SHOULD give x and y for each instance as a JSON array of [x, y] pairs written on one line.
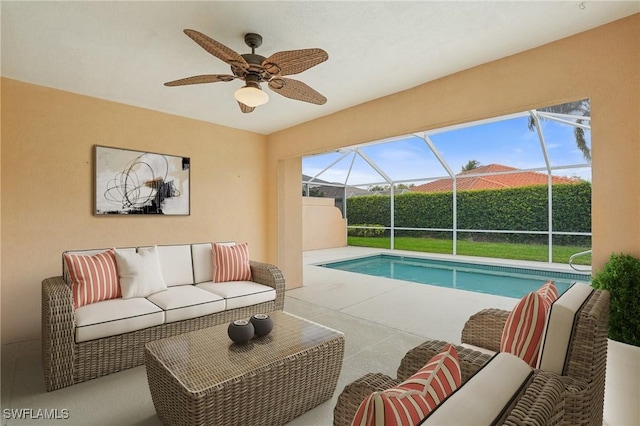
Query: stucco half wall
[[322, 224], [602, 64]]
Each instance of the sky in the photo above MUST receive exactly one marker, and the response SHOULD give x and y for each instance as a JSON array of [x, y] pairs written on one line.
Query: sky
[[508, 142]]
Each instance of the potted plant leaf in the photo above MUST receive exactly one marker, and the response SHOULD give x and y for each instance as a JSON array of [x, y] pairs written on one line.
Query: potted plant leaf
[[621, 277]]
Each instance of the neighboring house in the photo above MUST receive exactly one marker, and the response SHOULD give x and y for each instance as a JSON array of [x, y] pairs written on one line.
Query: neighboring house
[[498, 181], [388, 192], [330, 191]]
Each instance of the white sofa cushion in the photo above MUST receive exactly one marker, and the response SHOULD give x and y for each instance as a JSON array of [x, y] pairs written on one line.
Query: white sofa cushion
[[176, 264], [239, 294], [557, 335], [187, 301], [140, 273], [115, 316], [485, 395], [202, 254]]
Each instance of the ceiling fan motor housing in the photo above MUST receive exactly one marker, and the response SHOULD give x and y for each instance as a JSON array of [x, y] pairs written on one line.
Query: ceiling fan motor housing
[[257, 65], [255, 68]]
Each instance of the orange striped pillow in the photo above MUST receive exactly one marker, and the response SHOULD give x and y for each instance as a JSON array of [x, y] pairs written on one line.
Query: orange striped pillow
[[231, 263], [93, 277], [522, 333], [410, 401], [549, 293]]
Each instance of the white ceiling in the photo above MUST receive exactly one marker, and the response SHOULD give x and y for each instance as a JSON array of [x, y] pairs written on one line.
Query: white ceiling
[[125, 51]]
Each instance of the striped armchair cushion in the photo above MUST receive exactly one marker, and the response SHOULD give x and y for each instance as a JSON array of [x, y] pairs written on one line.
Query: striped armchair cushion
[[524, 328], [410, 401], [549, 293]]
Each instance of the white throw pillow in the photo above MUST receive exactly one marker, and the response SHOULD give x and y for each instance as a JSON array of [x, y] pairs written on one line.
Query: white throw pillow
[[140, 273]]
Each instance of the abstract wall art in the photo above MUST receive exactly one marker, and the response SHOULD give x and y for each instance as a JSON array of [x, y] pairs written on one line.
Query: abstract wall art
[[137, 182]]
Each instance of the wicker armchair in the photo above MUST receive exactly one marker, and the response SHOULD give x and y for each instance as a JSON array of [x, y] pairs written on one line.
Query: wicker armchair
[[586, 359], [581, 395], [541, 402]]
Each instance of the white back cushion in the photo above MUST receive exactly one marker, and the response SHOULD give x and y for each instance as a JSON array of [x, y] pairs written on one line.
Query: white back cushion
[[556, 337], [481, 400], [203, 261], [175, 263]]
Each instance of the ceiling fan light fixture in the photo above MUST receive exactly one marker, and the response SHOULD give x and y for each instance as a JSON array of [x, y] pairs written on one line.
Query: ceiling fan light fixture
[[251, 96]]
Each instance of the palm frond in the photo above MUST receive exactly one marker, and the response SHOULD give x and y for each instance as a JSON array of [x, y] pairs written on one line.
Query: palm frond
[[578, 108]]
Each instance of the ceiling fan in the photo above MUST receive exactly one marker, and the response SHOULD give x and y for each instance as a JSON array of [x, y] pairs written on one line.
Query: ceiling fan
[[255, 69]]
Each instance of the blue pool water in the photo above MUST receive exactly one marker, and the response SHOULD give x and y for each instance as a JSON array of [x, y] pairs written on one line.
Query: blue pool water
[[498, 280]]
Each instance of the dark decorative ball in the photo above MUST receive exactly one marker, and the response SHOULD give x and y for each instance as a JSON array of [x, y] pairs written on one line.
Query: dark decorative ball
[[262, 323], [240, 331]]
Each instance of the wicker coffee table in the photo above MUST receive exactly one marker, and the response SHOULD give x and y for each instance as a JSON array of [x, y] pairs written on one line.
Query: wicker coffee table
[[202, 378]]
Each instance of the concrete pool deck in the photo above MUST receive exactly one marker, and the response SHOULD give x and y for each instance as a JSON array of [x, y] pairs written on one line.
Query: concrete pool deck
[[424, 310]]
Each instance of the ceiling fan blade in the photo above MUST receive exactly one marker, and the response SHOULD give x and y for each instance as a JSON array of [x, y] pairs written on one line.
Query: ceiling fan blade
[[217, 49], [293, 61], [245, 108], [297, 90], [199, 79]]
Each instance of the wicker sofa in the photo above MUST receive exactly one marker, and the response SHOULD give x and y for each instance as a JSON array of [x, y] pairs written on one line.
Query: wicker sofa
[[580, 372], [72, 353]]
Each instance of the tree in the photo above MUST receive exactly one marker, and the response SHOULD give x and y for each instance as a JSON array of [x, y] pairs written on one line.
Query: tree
[[471, 165], [578, 108], [405, 186], [377, 188], [314, 191], [385, 188]]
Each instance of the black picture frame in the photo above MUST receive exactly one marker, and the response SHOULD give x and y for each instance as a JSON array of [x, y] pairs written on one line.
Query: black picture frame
[[142, 183]]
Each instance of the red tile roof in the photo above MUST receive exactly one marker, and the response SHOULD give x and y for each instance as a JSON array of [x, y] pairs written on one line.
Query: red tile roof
[[510, 180]]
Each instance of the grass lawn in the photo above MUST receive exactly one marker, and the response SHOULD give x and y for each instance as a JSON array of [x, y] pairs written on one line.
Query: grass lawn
[[536, 252]]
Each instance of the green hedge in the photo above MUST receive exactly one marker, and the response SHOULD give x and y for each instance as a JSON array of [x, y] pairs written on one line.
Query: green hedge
[[371, 230], [520, 209]]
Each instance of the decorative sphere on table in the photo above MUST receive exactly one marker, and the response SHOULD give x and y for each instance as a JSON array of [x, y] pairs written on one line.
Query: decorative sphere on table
[[262, 324], [240, 331]]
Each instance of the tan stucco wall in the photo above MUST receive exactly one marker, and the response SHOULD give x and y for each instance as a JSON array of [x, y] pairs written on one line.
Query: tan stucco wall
[[602, 64], [47, 187], [322, 224]]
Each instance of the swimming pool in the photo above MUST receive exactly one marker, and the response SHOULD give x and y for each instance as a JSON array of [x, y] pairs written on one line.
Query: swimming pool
[[491, 279]]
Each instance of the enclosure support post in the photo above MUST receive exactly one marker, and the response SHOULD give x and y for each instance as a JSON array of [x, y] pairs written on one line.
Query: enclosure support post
[[543, 147]]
